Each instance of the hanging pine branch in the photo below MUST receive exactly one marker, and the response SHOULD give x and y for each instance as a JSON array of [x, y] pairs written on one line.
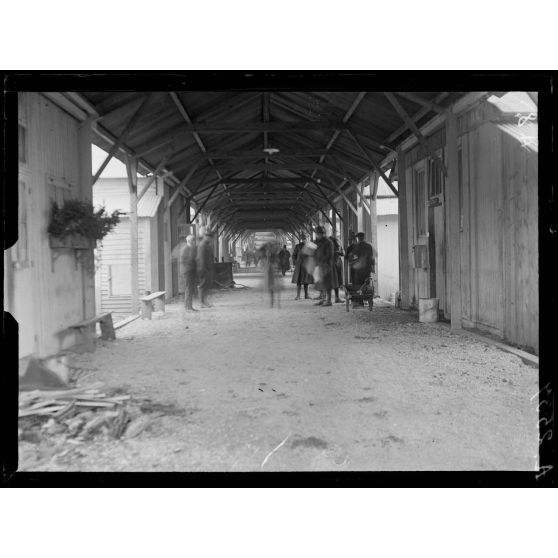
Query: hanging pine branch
[[80, 217]]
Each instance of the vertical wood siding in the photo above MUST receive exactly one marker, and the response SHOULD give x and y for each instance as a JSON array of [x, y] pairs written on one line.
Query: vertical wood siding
[[116, 251], [57, 297], [499, 235]]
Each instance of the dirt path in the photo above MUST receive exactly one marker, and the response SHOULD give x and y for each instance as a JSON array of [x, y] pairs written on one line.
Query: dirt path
[[334, 390]]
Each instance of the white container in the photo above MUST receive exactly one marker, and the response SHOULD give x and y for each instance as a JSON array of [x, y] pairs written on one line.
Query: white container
[[428, 309]]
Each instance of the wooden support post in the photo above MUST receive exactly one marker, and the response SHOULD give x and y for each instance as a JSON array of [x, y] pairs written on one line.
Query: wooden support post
[[452, 189], [374, 228], [131, 168], [404, 263], [224, 247], [167, 243], [86, 192]]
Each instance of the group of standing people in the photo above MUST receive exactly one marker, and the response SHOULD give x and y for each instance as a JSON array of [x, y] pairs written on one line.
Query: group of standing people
[[318, 264], [196, 269], [283, 257], [321, 263]]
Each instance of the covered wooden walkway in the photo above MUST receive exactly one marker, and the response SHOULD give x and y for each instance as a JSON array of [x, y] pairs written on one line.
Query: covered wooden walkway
[[243, 387], [241, 161]]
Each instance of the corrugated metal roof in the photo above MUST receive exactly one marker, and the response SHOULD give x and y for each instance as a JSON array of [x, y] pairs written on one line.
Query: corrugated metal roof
[[113, 194], [527, 134], [514, 101]]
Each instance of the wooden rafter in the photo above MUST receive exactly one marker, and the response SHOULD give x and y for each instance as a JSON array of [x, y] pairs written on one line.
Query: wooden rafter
[[415, 118], [374, 164], [422, 140], [122, 138], [182, 187], [432, 106], [116, 109], [227, 106]]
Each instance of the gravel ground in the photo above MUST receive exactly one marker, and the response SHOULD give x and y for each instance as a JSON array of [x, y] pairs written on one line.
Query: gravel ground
[[326, 389]]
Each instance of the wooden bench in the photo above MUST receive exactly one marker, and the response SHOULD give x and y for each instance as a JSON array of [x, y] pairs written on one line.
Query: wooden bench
[[150, 302], [87, 329]]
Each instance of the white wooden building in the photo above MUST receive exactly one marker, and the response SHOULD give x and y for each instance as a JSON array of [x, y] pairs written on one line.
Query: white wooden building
[[387, 260], [113, 274]]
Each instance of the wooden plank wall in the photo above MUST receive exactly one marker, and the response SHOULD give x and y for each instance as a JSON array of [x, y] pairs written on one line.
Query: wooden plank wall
[[521, 251], [501, 237], [57, 297], [499, 231]]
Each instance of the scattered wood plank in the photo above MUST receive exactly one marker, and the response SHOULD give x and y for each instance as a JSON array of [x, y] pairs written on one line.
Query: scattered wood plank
[[59, 393], [44, 411], [82, 403]]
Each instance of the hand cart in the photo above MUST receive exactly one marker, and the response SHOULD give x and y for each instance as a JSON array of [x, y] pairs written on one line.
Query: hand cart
[[357, 295]]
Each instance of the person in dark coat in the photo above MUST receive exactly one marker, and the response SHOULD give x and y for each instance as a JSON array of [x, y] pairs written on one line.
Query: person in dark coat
[[325, 266], [284, 259], [363, 262], [350, 256], [338, 266], [205, 262], [188, 271], [301, 276]]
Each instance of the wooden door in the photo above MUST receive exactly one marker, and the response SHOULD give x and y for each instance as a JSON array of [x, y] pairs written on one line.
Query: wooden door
[[437, 234], [420, 232], [440, 254]]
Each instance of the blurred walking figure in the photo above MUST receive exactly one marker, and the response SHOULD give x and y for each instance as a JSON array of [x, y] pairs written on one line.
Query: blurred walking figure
[[301, 274], [268, 254], [324, 274], [284, 260], [338, 266], [205, 260], [188, 271]]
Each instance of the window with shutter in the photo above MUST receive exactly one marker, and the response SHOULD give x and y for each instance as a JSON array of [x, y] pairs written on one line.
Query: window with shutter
[[436, 176]]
